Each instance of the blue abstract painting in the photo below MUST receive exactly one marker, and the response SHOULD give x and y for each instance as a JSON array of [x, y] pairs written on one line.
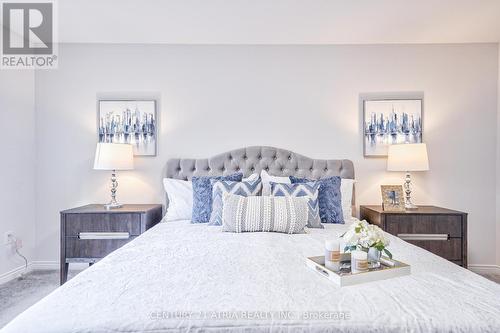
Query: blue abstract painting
[[389, 122], [129, 121]]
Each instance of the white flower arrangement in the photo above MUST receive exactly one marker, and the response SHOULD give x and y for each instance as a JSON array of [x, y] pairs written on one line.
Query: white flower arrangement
[[362, 235]]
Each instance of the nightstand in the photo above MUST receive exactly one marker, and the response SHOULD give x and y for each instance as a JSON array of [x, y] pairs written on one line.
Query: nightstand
[[91, 232], [438, 230]]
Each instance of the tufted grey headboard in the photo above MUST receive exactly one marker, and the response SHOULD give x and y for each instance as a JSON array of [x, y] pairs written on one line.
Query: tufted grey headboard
[[278, 162]]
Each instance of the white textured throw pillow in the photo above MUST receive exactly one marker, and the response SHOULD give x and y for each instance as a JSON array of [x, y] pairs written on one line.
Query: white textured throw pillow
[[180, 199], [251, 178], [277, 214], [346, 188], [267, 179]]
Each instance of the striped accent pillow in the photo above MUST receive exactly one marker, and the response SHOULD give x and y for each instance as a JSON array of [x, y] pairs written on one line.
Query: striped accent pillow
[[275, 214], [244, 188], [308, 190]]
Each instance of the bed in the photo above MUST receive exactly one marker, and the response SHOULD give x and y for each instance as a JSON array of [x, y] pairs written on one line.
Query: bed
[[180, 276]]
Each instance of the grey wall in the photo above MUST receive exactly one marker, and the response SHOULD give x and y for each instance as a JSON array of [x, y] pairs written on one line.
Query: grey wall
[[17, 166], [303, 98]]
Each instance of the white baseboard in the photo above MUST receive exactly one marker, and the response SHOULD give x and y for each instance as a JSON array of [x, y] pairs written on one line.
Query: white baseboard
[[41, 265], [485, 269], [12, 274], [32, 266]]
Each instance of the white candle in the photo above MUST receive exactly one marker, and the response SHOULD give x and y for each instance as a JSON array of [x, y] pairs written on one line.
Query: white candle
[[359, 261], [332, 245], [332, 255]]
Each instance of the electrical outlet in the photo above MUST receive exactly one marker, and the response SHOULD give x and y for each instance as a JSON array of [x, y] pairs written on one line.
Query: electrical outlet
[[6, 240]]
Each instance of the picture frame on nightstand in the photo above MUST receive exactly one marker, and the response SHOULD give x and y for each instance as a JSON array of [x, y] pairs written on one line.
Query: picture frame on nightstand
[[392, 198]]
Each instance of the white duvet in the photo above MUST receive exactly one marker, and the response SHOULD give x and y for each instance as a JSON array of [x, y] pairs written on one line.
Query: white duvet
[[180, 276]]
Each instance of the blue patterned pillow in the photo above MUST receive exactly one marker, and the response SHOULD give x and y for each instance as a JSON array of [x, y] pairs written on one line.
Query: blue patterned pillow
[[202, 195], [244, 189], [309, 190], [330, 198]]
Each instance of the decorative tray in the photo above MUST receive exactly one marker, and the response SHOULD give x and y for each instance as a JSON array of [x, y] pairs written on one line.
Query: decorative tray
[[345, 278]]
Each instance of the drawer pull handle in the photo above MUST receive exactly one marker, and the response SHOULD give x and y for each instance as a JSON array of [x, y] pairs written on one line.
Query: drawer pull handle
[[424, 236], [104, 235]]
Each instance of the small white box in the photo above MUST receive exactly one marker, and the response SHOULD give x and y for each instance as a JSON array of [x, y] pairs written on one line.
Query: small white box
[[343, 278]]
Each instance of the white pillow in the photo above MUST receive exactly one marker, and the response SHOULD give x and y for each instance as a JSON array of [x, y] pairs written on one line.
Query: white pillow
[[253, 177], [180, 199], [346, 187], [267, 179]]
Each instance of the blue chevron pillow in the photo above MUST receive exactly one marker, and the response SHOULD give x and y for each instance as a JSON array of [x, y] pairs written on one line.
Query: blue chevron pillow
[[309, 190], [330, 198], [245, 189]]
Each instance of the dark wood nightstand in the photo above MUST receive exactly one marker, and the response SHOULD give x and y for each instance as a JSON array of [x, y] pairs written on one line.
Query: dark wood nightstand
[[438, 230], [91, 232]]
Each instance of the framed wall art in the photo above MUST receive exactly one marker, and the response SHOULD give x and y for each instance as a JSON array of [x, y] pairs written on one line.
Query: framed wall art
[[131, 121], [390, 121]]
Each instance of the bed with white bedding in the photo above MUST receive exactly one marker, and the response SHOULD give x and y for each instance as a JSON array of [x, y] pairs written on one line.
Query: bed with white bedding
[[180, 276]]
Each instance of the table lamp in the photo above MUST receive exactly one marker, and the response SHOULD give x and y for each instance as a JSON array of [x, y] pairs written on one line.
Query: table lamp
[[113, 156], [408, 157]]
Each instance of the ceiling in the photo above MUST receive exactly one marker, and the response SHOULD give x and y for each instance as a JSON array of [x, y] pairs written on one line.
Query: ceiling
[[279, 21]]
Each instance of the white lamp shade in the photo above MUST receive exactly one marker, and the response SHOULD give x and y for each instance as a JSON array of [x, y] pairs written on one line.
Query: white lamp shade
[[114, 156], [408, 157]]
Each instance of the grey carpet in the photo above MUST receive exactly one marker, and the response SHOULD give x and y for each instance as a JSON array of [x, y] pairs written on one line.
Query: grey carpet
[[19, 294], [492, 277]]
